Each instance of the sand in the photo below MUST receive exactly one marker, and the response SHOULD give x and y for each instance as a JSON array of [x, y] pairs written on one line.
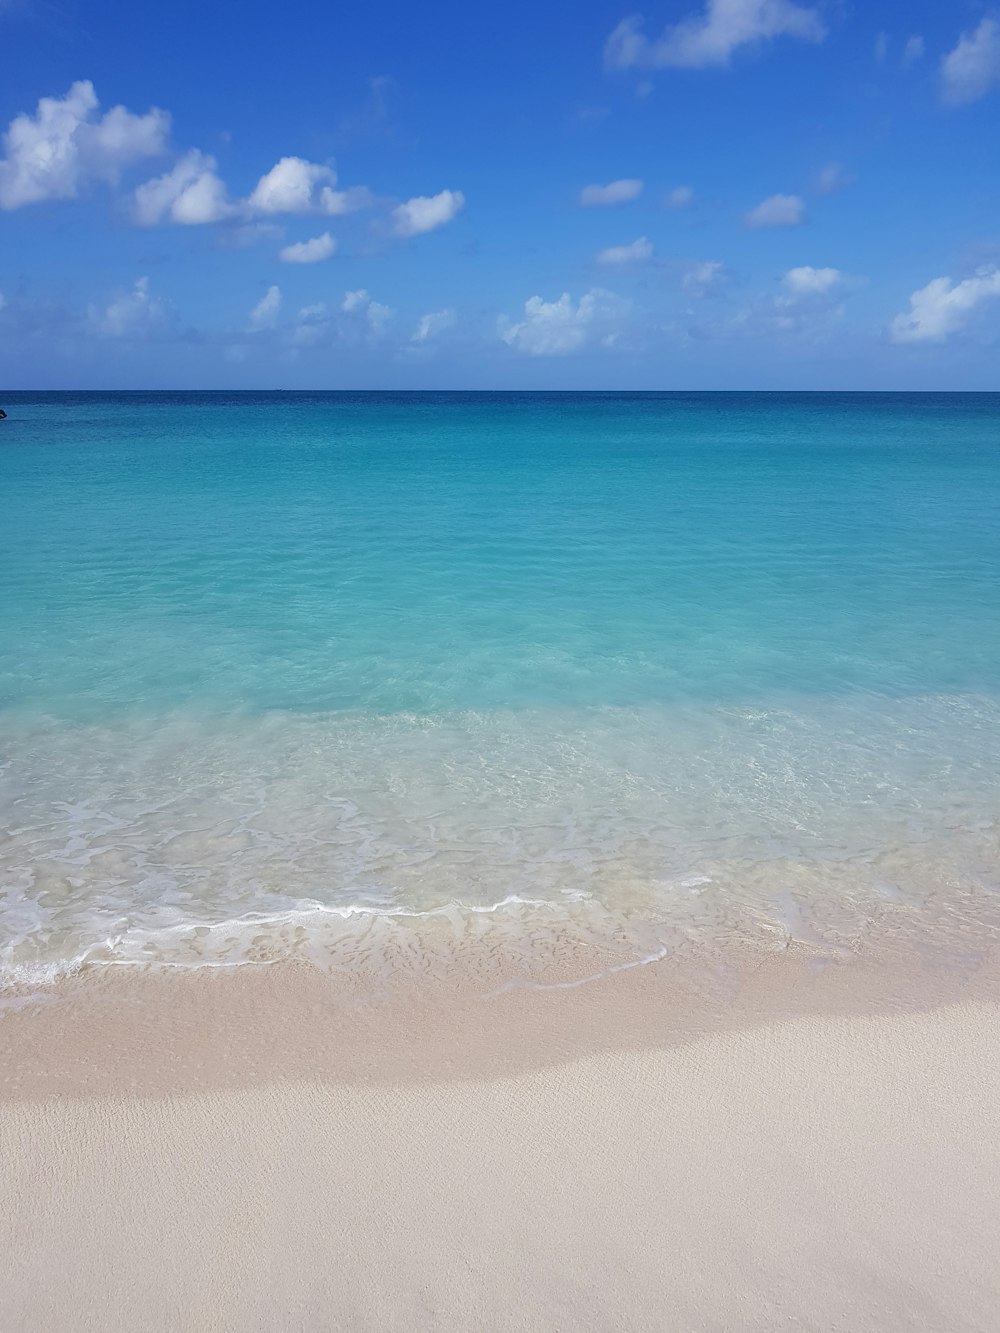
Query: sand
[[790, 1144]]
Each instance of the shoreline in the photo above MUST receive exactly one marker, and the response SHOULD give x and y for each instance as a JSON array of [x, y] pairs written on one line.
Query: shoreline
[[459, 1009], [750, 1140]]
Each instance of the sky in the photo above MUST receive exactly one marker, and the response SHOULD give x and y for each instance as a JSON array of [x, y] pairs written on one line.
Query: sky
[[633, 194]]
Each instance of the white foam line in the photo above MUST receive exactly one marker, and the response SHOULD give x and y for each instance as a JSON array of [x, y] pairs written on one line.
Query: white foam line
[[520, 984], [17, 975]]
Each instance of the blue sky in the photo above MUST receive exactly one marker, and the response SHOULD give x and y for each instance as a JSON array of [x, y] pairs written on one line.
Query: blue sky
[[681, 194]]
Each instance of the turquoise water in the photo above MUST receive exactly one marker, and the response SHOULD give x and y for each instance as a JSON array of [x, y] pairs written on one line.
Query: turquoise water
[[273, 662]]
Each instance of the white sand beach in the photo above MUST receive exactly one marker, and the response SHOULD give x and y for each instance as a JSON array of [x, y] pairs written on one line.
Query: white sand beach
[[806, 1147]]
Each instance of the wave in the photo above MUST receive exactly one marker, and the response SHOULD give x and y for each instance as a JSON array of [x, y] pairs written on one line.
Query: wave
[[377, 842]]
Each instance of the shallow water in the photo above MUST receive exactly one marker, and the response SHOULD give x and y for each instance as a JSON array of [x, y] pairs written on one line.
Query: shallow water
[[278, 670]]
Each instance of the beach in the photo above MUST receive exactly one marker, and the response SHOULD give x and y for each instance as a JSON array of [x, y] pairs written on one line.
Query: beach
[[781, 1141], [500, 862], [500, 668]]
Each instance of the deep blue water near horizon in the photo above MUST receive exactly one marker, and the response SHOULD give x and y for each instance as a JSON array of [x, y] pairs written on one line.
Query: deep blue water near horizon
[[301, 655]]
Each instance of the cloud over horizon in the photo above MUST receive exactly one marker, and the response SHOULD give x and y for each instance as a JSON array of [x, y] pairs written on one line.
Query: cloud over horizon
[[264, 315], [944, 307], [131, 314], [432, 324], [557, 328]]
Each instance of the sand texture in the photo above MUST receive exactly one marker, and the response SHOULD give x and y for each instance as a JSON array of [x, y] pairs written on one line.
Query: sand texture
[[830, 1170]]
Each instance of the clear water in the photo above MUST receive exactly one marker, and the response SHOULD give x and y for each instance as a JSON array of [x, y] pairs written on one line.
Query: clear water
[[275, 665]]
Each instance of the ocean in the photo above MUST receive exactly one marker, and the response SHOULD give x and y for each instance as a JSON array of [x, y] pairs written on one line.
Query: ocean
[[372, 677]]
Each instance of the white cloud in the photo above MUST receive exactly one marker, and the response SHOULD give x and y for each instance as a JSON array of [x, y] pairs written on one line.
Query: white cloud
[[190, 194], [358, 319], [681, 197], [312, 325], [425, 213], [374, 314], [971, 70], [617, 192], [943, 307], [556, 328], [264, 315], [636, 253], [378, 316], [832, 178], [881, 46], [66, 144], [294, 185], [130, 315], [712, 37], [807, 307], [309, 252], [780, 210], [430, 325], [701, 277], [291, 186], [808, 281], [912, 51]]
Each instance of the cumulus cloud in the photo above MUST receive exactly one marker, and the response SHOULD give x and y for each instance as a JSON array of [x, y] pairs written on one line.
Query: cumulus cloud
[[425, 213], [190, 194], [309, 252], [556, 328], [701, 277], [130, 315], [374, 315], [680, 197], [291, 186], [973, 67], [780, 210], [637, 253], [617, 192], [944, 307], [808, 281], [264, 315], [357, 319], [430, 325], [313, 325], [66, 145], [712, 37], [294, 185]]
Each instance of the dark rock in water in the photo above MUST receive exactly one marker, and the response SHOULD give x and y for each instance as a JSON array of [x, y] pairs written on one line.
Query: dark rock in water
[[2, 414]]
